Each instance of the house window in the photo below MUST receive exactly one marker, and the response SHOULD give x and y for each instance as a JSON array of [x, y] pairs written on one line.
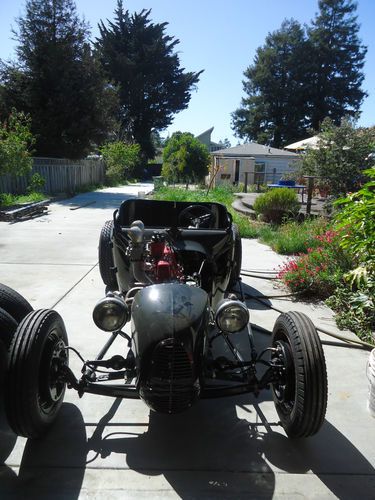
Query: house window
[[259, 175]]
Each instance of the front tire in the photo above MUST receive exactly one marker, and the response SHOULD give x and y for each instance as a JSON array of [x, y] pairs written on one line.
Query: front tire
[[34, 388], [106, 263], [300, 396]]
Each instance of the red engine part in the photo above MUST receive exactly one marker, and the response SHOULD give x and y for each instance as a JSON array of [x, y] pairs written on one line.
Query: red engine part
[[165, 263]]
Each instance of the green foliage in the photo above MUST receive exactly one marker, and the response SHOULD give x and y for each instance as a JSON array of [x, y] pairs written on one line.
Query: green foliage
[[335, 63], [15, 142], [355, 309], [318, 272], [7, 199], [139, 58], [275, 108], [121, 160], [36, 184], [294, 237], [356, 217], [301, 76], [57, 80], [341, 157], [185, 158], [277, 204]]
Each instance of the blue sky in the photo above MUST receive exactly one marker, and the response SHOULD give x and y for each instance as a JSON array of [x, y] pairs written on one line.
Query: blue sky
[[219, 36]]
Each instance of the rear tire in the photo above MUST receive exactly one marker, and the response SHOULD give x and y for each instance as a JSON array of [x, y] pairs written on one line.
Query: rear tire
[[237, 258], [300, 396], [35, 388], [8, 326], [106, 263], [13, 303]]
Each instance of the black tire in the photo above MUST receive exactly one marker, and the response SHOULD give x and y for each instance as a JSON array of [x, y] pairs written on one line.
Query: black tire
[[3, 368], [106, 263], [13, 303], [8, 326], [300, 396], [237, 258], [34, 390]]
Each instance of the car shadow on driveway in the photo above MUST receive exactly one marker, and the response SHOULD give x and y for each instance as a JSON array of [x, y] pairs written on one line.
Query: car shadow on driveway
[[209, 452], [206, 452], [50, 467]]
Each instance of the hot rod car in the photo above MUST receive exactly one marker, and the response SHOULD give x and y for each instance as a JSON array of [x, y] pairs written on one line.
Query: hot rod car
[[172, 271]]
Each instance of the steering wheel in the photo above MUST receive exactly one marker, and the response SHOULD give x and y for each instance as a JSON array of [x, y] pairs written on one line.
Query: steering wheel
[[197, 216]]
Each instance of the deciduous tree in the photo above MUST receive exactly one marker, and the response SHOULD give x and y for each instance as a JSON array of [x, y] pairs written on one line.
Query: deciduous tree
[[185, 158]]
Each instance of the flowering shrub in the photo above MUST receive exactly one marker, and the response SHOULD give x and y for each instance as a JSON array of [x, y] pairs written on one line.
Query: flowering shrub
[[318, 272]]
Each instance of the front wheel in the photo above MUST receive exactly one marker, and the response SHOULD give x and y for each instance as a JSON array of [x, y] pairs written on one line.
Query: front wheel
[[300, 396], [35, 386], [106, 263]]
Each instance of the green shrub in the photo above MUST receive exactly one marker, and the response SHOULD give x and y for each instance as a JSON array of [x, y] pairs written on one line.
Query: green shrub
[[15, 143], [36, 184], [121, 161], [356, 217], [277, 204], [355, 310]]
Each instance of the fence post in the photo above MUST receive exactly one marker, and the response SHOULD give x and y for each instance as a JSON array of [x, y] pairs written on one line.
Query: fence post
[[310, 188]]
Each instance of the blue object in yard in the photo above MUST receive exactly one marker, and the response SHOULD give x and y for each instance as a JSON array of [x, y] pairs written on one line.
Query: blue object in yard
[[286, 183], [299, 187]]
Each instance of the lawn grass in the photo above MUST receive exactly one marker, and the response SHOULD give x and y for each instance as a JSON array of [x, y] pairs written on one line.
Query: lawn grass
[[8, 200], [294, 237], [290, 238]]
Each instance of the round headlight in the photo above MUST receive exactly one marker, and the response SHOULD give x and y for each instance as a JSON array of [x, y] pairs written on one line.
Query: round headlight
[[232, 316], [110, 314]]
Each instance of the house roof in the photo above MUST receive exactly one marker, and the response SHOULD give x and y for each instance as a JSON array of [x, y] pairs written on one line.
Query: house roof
[[208, 132], [311, 142], [253, 149]]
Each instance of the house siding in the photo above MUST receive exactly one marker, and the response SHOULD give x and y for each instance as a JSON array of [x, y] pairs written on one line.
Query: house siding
[[274, 168]]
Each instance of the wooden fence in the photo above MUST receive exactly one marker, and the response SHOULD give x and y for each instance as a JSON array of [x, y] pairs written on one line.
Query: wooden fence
[[61, 176]]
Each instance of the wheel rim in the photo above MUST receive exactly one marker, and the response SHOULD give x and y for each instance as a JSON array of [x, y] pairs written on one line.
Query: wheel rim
[[51, 383], [285, 389]]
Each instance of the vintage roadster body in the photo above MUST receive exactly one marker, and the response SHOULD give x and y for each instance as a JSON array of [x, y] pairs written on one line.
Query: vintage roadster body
[[172, 276]]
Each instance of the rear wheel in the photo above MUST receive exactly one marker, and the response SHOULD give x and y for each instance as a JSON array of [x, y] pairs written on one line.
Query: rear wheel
[[35, 386], [106, 263], [13, 303], [237, 258], [13, 308], [8, 326], [300, 396]]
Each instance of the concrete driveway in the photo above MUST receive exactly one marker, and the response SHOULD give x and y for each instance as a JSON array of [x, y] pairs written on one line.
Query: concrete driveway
[[226, 448]]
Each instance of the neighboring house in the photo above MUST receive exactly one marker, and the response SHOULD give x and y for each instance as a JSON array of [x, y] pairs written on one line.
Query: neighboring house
[[262, 164], [205, 138]]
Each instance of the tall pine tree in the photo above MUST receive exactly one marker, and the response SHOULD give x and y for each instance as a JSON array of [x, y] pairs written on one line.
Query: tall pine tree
[[274, 110], [139, 59], [336, 62], [56, 80]]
